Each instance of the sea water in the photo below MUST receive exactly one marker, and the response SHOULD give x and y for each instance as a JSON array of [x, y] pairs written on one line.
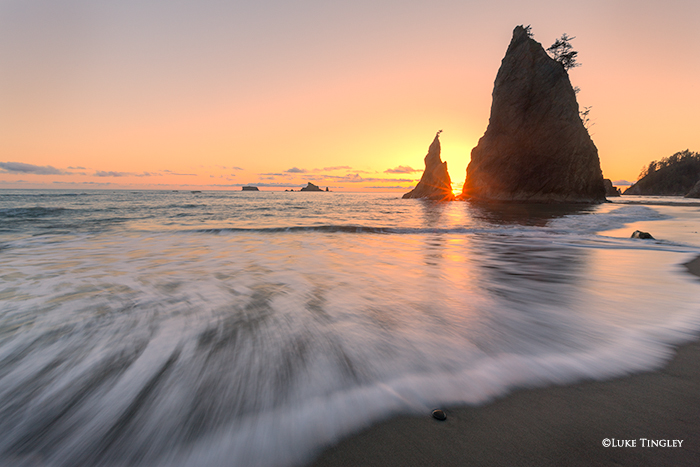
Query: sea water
[[256, 328]]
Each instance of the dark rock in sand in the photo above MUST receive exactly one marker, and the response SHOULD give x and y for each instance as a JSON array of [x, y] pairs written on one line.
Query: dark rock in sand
[[311, 187], [536, 148], [610, 190], [642, 235], [435, 183], [439, 415]]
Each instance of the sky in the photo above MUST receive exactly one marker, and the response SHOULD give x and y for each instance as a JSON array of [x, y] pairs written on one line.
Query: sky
[[214, 94]]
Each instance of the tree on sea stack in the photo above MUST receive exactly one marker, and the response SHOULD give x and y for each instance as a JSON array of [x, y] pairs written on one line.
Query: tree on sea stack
[[435, 183], [536, 148], [563, 52]]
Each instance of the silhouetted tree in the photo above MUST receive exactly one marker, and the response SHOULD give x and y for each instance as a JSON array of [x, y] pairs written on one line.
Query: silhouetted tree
[[584, 116], [563, 52]]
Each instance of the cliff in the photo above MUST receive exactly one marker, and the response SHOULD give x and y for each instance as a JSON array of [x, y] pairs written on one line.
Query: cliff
[[435, 182], [535, 148]]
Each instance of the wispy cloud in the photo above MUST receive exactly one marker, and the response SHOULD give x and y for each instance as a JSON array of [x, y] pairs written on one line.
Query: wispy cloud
[[111, 173], [402, 169], [83, 183], [77, 168], [22, 168], [102, 173], [622, 183], [331, 169], [170, 172], [357, 178], [296, 170], [264, 184]]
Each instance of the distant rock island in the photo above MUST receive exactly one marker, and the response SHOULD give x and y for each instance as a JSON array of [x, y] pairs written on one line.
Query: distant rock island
[[250, 188], [435, 183], [676, 175], [311, 187], [535, 148]]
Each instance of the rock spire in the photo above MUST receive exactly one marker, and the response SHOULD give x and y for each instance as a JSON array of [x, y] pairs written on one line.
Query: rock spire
[[536, 148], [435, 183]]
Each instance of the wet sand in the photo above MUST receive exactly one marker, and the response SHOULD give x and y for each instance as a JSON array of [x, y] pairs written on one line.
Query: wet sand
[[552, 426]]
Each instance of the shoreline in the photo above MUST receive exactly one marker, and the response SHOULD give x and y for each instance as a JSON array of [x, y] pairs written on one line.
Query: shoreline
[[549, 426]]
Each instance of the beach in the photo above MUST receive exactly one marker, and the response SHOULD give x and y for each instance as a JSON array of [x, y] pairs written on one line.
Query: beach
[[552, 426], [181, 329]]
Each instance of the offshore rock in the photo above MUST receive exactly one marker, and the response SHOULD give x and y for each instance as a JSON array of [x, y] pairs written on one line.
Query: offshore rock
[[311, 187], [610, 190], [536, 148], [435, 183]]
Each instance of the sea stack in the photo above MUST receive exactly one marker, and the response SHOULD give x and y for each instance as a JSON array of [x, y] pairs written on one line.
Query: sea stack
[[610, 189], [536, 148], [311, 187], [435, 183]]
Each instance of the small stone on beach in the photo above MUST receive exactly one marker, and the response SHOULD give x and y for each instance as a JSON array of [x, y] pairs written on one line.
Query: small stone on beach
[[642, 235], [439, 414]]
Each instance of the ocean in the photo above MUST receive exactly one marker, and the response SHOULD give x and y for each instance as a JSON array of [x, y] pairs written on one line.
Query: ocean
[[156, 328]]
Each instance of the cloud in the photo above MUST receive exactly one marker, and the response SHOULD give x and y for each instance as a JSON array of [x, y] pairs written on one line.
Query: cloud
[[102, 173], [393, 187], [357, 178], [22, 168], [84, 183], [263, 184], [170, 172], [331, 169], [77, 168], [236, 168], [295, 170], [402, 169], [622, 183]]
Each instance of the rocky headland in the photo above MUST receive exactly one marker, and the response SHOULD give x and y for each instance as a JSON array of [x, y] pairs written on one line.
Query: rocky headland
[[695, 191], [675, 175], [535, 148], [435, 183]]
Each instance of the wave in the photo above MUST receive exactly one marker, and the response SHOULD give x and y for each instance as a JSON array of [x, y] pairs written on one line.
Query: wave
[[33, 212]]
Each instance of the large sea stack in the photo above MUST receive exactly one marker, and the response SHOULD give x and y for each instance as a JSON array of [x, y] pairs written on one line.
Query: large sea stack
[[536, 148], [435, 183]]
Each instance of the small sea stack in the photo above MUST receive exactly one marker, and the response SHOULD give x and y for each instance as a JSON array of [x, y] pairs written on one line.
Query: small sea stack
[[311, 187], [536, 148], [250, 188], [435, 183], [610, 189]]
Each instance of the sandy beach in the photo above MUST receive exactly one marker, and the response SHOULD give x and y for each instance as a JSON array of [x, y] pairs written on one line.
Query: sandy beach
[[551, 426]]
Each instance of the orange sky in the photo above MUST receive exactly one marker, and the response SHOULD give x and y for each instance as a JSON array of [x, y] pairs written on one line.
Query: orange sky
[[162, 94]]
